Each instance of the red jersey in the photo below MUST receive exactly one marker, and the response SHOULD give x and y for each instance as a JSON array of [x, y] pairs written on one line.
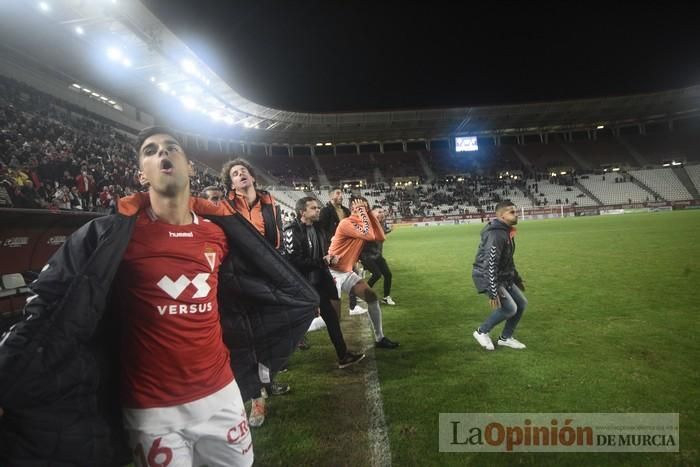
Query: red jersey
[[172, 351]]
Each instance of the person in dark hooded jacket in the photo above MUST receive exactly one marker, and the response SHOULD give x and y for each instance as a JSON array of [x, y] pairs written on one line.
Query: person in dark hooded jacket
[[494, 274], [128, 341]]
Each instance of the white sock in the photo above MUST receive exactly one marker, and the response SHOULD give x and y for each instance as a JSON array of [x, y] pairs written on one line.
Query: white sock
[[375, 315]]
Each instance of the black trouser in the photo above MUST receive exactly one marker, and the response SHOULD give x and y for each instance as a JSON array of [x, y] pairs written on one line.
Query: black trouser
[[379, 268], [332, 321]]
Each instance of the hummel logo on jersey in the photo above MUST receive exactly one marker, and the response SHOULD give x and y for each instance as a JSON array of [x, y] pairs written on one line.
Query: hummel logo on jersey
[[175, 288], [181, 234]]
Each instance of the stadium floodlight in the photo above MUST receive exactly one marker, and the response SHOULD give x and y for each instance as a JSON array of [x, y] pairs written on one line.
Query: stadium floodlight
[[674, 163], [76, 86], [45, 7], [79, 30], [87, 90], [562, 173], [615, 169], [114, 53], [600, 127], [111, 102], [188, 102], [188, 66], [319, 144], [666, 164], [329, 144], [104, 98], [95, 94], [554, 174]]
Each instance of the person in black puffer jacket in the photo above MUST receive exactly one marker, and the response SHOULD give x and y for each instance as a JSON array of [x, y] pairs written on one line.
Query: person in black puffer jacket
[[81, 367], [494, 274]]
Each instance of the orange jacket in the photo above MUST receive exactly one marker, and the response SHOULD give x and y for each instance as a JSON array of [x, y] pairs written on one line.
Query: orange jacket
[[350, 238]]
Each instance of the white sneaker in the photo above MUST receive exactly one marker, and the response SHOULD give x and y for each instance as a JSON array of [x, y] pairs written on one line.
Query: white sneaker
[[358, 310], [257, 412], [388, 300], [511, 342], [484, 340]]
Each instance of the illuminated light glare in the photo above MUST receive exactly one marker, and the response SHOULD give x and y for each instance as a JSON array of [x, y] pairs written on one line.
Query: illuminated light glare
[[188, 102], [562, 173], [111, 102], [600, 127], [188, 66], [153, 79], [229, 120], [45, 7], [87, 90], [319, 144], [114, 54], [164, 87], [77, 86], [79, 31], [329, 144], [104, 98], [95, 94], [126, 62]]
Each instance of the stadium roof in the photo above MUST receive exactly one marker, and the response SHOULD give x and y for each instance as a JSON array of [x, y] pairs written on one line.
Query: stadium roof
[[120, 49]]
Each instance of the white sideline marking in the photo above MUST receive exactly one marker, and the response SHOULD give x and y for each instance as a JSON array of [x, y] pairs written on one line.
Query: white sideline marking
[[380, 448]]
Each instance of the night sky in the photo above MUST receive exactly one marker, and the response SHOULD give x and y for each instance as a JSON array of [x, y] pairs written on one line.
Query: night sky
[[326, 56]]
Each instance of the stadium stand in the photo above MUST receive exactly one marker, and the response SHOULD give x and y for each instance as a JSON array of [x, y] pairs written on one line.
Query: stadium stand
[[46, 144], [614, 189], [664, 182], [694, 174]]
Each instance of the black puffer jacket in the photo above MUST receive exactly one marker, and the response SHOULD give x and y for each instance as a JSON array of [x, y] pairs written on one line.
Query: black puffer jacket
[[298, 252], [59, 366], [493, 265]]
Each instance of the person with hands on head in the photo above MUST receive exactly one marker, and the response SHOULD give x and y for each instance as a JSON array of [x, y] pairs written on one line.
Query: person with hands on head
[[494, 274], [349, 239]]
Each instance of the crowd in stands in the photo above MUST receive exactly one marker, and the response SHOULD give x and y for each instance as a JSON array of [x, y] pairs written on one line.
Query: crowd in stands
[[54, 155]]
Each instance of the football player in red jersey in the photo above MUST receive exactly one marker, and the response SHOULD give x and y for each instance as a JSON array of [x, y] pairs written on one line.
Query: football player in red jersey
[[163, 288], [177, 387]]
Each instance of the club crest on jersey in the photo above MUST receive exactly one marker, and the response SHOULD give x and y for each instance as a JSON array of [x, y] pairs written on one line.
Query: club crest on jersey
[[210, 256]]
